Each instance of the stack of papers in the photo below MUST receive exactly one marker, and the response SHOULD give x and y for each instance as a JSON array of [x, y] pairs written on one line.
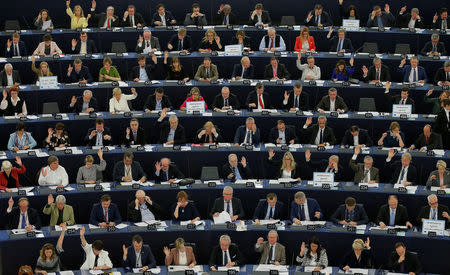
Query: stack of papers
[[75, 150], [266, 222], [435, 188], [327, 270], [223, 218], [155, 270], [402, 227], [121, 225], [224, 268], [3, 155], [159, 224], [269, 267], [197, 223], [410, 189], [175, 181], [197, 268]]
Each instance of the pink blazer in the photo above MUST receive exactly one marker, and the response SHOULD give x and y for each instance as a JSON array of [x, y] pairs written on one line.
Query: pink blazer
[[40, 50], [172, 259]]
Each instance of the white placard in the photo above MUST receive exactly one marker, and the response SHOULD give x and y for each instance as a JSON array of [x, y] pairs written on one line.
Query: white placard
[[235, 49], [48, 82], [320, 178], [401, 109], [437, 226], [192, 106], [350, 24]]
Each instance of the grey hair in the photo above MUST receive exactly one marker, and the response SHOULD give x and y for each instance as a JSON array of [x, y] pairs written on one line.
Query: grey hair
[[231, 155], [110, 8], [300, 195], [368, 158], [376, 59], [225, 238], [336, 157], [228, 188], [249, 119], [447, 63], [322, 117], [225, 88], [431, 197], [416, 10], [435, 36], [272, 232], [140, 192], [60, 198], [8, 65], [87, 92], [271, 29], [173, 117], [6, 165]]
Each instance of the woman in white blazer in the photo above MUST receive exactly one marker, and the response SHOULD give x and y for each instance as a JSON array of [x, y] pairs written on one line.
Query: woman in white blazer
[[48, 47], [439, 177], [119, 101]]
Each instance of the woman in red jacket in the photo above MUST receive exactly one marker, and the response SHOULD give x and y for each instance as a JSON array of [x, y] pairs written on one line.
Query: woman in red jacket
[[9, 175], [194, 95], [304, 42]]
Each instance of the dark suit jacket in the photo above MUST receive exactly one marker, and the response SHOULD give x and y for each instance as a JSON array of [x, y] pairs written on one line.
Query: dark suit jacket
[[205, 139], [437, 181], [387, 18], [189, 212], [365, 261], [4, 78], [78, 106], [442, 126], [91, 142], [261, 210], [173, 173], [424, 213], [101, 18], [396, 99], [278, 163], [150, 103], [311, 133], [282, 72], [363, 138], [411, 176], [147, 258], [168, 16], [359, 216], [401, 215], [239, 137], [346, 45], [140, 137], [232, 19], [438, 23], [97, 214], [90, 47], [434, 141], [232, 101], [75, 77], [321, 166], [428, 47], [149, 68], [265, 18], [22, 50], [406, 71], [313, 207], [403, 21], [440, 76], [324, 104], [410, 264], [13, 218], [289, 134], [216, 256], [325, 19], [385, 74], [236, 204], [303, 104], [136, 171], [138, 19], [134, 215], [253, 98], [359, 172], [248, 73], [164, 127], [187, 42], [243, 171], [154, 43]]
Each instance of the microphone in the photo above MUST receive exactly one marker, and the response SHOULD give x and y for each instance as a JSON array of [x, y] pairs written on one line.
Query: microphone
[[26, 22], [360, 48], [380, 270]]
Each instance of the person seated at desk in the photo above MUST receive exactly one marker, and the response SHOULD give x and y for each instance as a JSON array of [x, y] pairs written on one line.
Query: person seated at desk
[[225, 254], [242, 40], [377, 72], [9, 175], [194, 95], [84, 45], [248, 133], [276, 70], [105, 213], [245, 70], [296, 99], [434, 211], [404, 172], [9, 77], [108, 72], [90, 172], [210, 43], [412, 73], [402, 260], [184, 210], [441, 21], [175, 71], [287, 167], [208, 134], [12, 105], [340, 43], [96, 257], [304, 42], [434, 47], [171, 132], [392, 214], [441, 78], [234, 170], [380, 19], [260, 17], [147, 43], [402, 99], [272, 252], [83, 104], [20, 139], [195, 17], [180, 254], [104, 20], [22, 216], [78, 73], [57, 138], [49, 255], [143, 72], [332, 103], [206, 71], [143, 209], [131, 18], [393, 137], [309, 70], [180, 42], [359, 257], [356, 136], [44, 69], [228, 203], [328, 166], [272, 42], [53, 174], [77, 18], [439, 177], [43, 22], [351, 12], [166, 171], [258, 99], [282, 134], [157, 101], [442, 125], [428, 140], [138, 255], [163, 17], [269, 209], [343, 72], [304, 209], [350, 213], [313, 254], [101, 133], [134, 134], [318, 17], [48, 47], [15, 47], [128, 170], [119, 102], [364, 172], [409, 20], [224, 16], [60, 213], [225, 101], [319, 134]]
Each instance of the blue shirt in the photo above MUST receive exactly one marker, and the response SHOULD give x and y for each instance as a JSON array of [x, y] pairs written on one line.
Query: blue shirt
[[171, 135], [15, 141], [143, 74]]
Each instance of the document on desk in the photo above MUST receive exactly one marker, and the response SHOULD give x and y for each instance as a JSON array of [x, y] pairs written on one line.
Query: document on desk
[[76, 227], [269, 267], [305, 223], [359, 270], [223, 217], [197, 268], [266, 222], [435, 188], [121, 225], [224, 268], [155, 270], [327, 270], [410, 189], [197, 223], [96, 271]]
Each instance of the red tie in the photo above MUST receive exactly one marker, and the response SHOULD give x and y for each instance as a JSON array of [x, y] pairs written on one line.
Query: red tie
[[109, 23], [106, 214], [274, 72], [271, 43], [426, 142], [261, 102]]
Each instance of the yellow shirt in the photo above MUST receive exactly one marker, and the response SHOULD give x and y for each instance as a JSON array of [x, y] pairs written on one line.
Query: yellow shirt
[[76, 23]]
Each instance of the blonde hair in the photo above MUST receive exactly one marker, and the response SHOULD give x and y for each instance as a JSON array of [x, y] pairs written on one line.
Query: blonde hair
[[283, 163], [78, 7], [89, 158], [439, 163], [206, 35], [179, 242], [6, 165], [358, 244], [304, 29], [117, 91], [208, 124], [41, 73]]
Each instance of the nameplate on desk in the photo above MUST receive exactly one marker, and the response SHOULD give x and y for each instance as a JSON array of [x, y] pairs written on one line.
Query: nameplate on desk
[[136, 186], [245, 53], [31, 234], [431, 234], [311, 227], [147, 272], [412, 30], [445, 87], [147, 83], [345, 83], [250, 184], [60, 190], [441, 192], [401, 109], [260, 27], [334, 114], [151, 227], [48, 82], [279, 82], [273, 272], [358, 273], [140, 148], [70, 231], [56, 56], [326, 186], [430, 153], [212, 184], [271, 226], [196, 113], [402, 189], [403, 116], [316, 273], [320, 148], [372, 55], [127, 114], [88, 55], [98, 187], [82, 84], [31, 153], [190, 226], [24, 58], [230, 113], [231, 226], [277, 53], [364, 187], [92, 115], [111, 229], [265, 113], [231, 272], [115, 83], [105, 149], [284, 147], [368, 115], [246, 82], [381, 29], [392, 231], [287, 184], [308, 53], [212, 147], [58, 116], [174, 185], [351, 228], [21, 192], [435, 226], [299, 113], [214, 53], [199, 27], [23, 118], [176, 147], [436, 57], [312, 83], [411, 85], [248, 147]]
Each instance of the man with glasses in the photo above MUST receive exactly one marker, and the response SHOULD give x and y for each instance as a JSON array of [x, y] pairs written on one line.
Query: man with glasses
[[232, 206], [434, 211]]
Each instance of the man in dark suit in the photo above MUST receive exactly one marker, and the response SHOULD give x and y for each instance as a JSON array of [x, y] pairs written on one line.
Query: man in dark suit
[[377, 72], [224, 16], [332, 102], [402, 99], [276, 70], [165, 171], [143, 209], [269, 209], [144, 261], [171, 132], [143, 72], [105, 213], [245, 70], [22, 216], [296, 99], [300, 204], [392, 214], [131, 18], [180, 42], [340, 43], [381, 19], [147, 43], [234, 170], [318, 17], [282, 134], [442, 77], [225, 254], [9, 77], [248, 133], [427, 140], [128, 170], [258, 99], [364, 172], [229, 204], [134, 134], [98, 135], [329, 166], [413, 72], [441, 22], [442, 123], [434, 211], [195, 17], [225, 101], [83, 104], [404, 172], [105, 20], [15, 47], [434, 47], [260, 16], [404, 261], [350, 213], [163, 17], [410, 20], [84, 45], [78, 73], [320, 133], [157, 101], [356, 136]]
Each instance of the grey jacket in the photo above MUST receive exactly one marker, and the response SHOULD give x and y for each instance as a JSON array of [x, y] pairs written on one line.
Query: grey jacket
[[305, 261], [438, 180], [93, 173]]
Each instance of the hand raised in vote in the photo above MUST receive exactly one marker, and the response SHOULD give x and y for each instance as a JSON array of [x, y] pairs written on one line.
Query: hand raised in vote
[[73, 100], [260, 240], [286, 95], [166, 251], [10, 202], [50, 199], [74, 43], [5, 94], [18, 161], [271, 153], [158, 166], [125, 251], [43, 172]]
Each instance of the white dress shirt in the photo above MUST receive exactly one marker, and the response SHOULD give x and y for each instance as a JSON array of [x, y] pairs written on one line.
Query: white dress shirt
[[127, 171], [225, 207], [332, 105], [103, 258], [182, 259], [307, 71], [262, 100], [121, 105], [317, 140], [411, 74], [282, 135], [305, 206], [54, 177], [4, 105]]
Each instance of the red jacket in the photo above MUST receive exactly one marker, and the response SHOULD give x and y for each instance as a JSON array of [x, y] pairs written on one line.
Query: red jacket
[[14, 173], [298, 44], [191, 99]]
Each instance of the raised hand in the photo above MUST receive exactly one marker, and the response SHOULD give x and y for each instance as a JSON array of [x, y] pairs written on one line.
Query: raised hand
[[303, 248], [125, 15], [5, 94], [217, 39], [435, 17], [43, 172], [73, 100], [100, 153], [10, 202], [133, 90], [69, 69], [310, 15], [158, 166], [82, 231], [271, 153], [391, 153], [352, 60], [403, 62], [286, 95], [367, 242], [94, 4], [308, 121], [365, 70], [307, 155], [9, 43], [67, 3], [388, 85], [357, 149], [18, 161], [125, 251], [243, 161], [260, 240], [50, 199], [93, 133], [141, 39], [403, 9], [166, 251], [430, 92]]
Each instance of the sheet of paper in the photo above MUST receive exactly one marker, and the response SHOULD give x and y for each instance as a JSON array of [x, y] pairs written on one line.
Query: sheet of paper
[[327, 270], [96, 271], [435, 188], [121, 225], [265, 222], [141, 224], [410, 189], [224, 268], [371, 185], [304, 223], [66, 272], [269, 267], [223, 217], [197, 268], [76, 227], [91, 226]]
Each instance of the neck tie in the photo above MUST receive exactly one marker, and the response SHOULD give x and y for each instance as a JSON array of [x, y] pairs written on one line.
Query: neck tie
[[226, 102], [392, 218], [225, 258], [434, 48], [380, 23], [207, 72], [321, 137], [16, 50], [366, 173], [414, 76], [339, 45], [403, 102], [274, 72], [228, 208], [271, 212], [127, 171], [378, 74], [401, 175], [96, 261], [243, 72], [135, 136], [148, 44], [296, 102], [106, 215], [167, 175], [426, 141], [180, 45], [434, 216], [24, 221], [109, 23], [317, 20], [271, 43], [261, 102], [302, 213], [132, 21], [269, 258]]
